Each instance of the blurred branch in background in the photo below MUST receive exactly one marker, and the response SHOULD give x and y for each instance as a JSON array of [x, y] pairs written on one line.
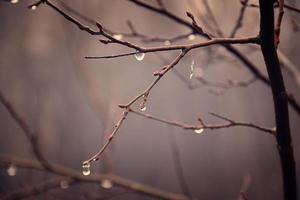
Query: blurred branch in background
[[72, 176]]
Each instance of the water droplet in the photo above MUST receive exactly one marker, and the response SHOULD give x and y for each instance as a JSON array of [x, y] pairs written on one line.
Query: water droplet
[[167, 42], [14, 1], [191, 37], [106, 183], [139, 56], [199, 131], [143, 108], [86, 169], [192, 69], [118, 36], [64, 184], [12, 170], [34, 7]]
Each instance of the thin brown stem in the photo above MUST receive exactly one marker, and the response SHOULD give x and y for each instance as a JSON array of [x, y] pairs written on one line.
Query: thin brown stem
[[230, 123]]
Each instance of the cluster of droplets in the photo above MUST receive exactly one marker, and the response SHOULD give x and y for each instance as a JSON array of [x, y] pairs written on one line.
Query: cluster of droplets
[[11, 170], [139, 56], [86, 168], [106, 184], [143, 103]]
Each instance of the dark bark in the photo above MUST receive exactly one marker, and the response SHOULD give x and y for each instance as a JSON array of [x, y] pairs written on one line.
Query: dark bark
[[280, 99]]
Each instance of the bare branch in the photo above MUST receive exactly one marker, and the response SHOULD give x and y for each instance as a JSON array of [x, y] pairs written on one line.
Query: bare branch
[[289, 66], [93, 178], [249, 64], [115, 130], [203, 125], [279, 20], [31, 136], [239, 21], [289, 7], [197, 27], [36, 189]]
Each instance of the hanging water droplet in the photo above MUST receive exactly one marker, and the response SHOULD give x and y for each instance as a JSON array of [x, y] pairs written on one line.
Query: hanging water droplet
[[14, 1], [34, 7], [118, 36], [12, 170], [199, 131], [143, 108], [64, 184], [191, 37], [139, 56], [143, 103], [86, 169], [106, 183], [167, 42], [192, 69]]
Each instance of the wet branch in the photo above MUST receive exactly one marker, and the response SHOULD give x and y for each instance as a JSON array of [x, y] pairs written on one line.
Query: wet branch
[[230, 123]]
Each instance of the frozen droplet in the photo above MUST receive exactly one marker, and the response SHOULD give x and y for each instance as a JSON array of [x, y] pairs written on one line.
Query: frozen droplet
[[14, 1], [12, 170], [64, 184], [191, 37], [192, 69], [199, 130], [118, 36], [33, 7], [106, 183], [86, 169], [167, 42], [139, 56]]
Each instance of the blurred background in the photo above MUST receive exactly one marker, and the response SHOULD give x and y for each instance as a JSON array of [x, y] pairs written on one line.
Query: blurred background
[[72, 102]]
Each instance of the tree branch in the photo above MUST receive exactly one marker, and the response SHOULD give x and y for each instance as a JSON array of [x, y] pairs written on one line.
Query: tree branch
[[250, 65], [93, 178], [203, 125], [283, 136]]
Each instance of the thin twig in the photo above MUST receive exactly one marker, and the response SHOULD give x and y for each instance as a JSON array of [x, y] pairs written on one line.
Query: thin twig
[[111, 136], [278, 23], [230, 123], [239, 21]]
